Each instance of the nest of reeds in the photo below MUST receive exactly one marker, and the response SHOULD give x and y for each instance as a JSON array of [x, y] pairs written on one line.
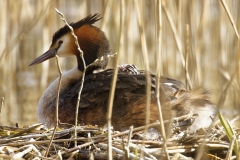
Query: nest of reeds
[[37, 142]]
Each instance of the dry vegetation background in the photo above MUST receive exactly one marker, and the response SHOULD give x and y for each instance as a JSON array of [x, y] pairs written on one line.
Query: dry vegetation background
[[27, 26]]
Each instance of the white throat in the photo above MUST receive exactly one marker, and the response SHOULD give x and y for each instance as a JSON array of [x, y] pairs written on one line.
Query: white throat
[[51, 92]]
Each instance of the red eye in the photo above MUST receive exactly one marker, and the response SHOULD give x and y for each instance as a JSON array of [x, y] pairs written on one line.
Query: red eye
[[60, 42]]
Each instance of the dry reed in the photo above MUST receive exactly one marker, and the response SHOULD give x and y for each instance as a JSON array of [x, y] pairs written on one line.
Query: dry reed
[[212, 46]]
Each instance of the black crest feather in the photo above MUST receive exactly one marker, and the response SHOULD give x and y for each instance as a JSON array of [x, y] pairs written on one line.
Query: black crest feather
[[90, 19]]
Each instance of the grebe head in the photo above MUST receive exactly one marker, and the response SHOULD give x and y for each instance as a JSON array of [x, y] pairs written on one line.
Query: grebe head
[[91, 39]]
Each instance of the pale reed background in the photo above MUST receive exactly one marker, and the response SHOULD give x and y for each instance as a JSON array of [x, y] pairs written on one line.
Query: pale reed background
[[27, 26]]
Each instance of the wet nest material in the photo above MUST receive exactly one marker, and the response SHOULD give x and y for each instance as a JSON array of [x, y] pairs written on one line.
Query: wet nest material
[[33, 143]]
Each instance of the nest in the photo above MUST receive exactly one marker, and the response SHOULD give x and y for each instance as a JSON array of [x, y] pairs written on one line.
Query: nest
[[37, 142]]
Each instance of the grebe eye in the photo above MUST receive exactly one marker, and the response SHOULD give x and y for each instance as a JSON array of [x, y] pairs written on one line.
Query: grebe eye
[[60, 42]]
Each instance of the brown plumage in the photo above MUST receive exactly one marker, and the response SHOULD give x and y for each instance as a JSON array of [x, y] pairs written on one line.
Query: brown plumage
[[130, 97]]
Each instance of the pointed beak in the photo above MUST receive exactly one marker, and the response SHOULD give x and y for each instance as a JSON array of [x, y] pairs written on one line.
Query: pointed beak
[[47, 55]]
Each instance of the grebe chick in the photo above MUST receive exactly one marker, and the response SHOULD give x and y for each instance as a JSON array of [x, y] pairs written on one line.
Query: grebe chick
[[130, 97]]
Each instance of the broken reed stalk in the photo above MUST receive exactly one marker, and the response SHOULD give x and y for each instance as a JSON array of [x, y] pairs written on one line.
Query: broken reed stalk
[[126, 147], [176, 37], [1, 104], [159, 30], [146, 61], [129, 135], [83, 74], [187, 79]]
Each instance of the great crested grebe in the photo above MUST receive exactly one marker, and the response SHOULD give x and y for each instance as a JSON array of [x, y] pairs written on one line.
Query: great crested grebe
[[130, 98]]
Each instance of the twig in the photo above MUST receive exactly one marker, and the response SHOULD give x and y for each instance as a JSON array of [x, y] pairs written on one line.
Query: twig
[[51, 140], [83, 74], [126, 147], [59, 87], [129, 135], [57, 102], [101, 59], [25, 131], [1, 104]]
